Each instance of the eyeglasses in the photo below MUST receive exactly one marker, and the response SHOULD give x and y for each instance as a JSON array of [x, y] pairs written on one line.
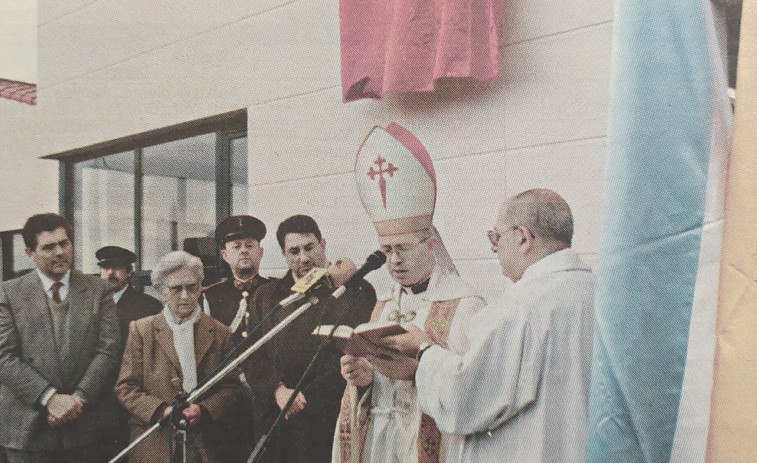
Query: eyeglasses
[[189, 288], [401, 250], [494, 235]]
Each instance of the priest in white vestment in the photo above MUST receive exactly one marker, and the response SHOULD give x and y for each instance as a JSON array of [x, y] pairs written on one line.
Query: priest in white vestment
[[520, 392], [380, 419]]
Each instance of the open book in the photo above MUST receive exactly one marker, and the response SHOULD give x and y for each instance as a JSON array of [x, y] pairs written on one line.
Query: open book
[[362, 340]]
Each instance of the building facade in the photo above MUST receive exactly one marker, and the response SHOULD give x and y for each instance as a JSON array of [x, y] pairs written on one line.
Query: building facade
[[158, 120]]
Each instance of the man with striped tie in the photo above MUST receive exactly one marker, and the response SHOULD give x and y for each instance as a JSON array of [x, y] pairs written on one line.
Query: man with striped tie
[[59, 347]]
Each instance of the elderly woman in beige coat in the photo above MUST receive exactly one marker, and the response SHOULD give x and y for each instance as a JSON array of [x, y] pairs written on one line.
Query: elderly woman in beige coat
[[167, 354]]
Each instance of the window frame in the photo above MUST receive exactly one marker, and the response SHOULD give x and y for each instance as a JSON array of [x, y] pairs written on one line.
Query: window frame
[[227, 127]]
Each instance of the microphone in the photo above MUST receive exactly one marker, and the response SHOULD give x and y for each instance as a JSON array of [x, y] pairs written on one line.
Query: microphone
[[373, 262], [315, 277], [318, 279], [340, 271]]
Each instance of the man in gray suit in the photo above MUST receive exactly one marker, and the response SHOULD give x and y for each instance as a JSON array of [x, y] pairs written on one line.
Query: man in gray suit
[[59, 343]]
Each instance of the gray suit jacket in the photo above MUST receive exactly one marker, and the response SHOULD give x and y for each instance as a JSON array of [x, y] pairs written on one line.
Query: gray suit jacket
[[30, 360]]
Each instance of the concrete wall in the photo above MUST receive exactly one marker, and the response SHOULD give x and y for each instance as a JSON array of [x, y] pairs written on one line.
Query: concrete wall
[[108, 70]]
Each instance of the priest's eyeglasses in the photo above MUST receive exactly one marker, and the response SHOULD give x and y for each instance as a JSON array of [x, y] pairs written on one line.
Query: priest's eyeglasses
[[495, 235], [402, 250]]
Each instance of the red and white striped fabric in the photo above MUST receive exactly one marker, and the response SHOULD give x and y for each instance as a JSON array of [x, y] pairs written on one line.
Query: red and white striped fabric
[[18, 91]]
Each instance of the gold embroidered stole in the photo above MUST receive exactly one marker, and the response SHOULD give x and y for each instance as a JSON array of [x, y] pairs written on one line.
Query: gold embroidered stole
[[354, 414]]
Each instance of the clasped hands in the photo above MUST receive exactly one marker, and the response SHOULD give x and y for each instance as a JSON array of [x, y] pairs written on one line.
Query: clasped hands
[[282, 395], [192, 413], [63, 408], [395, 359]]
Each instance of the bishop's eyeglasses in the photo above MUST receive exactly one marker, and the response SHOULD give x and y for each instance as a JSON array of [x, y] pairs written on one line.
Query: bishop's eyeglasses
[[402, 250]]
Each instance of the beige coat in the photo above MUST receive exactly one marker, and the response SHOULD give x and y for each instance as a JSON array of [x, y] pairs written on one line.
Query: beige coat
[[151, 377]]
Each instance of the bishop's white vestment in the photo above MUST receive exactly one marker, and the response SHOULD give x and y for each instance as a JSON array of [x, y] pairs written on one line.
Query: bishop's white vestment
[[392, 428]]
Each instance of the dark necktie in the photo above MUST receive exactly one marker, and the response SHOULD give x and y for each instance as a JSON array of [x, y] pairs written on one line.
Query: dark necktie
[[55, 288], [244, 285]]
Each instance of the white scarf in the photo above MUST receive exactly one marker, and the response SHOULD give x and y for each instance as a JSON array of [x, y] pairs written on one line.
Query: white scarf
[[184, 344]]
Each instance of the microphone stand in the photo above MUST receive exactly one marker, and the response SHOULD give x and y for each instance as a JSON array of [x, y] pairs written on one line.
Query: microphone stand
[[181, 441], [192, 397]]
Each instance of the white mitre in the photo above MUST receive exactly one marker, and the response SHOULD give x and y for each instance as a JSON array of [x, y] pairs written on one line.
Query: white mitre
[[397, 184], [396, 180]]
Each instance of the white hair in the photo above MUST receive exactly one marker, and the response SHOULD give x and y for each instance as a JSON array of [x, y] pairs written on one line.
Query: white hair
[[174, 261]]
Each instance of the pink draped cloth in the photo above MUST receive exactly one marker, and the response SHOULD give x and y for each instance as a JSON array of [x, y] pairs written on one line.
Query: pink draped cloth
[[405, 45]]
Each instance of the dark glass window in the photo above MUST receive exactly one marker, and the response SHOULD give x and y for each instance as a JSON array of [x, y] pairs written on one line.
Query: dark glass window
[[179, 195], [103, 206], [157, 191]]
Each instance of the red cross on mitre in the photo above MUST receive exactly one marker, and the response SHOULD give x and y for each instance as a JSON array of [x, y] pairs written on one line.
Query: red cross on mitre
[[372, 173]]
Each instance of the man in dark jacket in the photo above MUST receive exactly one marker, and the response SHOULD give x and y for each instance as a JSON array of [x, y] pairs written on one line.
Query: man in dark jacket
[[238, 238], [117, 267], [306, 433], [228, 301]]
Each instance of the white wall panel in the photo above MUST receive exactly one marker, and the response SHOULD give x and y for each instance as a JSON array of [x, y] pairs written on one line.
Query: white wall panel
[[485, 276], [107, 32], [576, 171], [470, 190], [522, 21], [554, 89], [261, 58], [28, 185], [50, 10]]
